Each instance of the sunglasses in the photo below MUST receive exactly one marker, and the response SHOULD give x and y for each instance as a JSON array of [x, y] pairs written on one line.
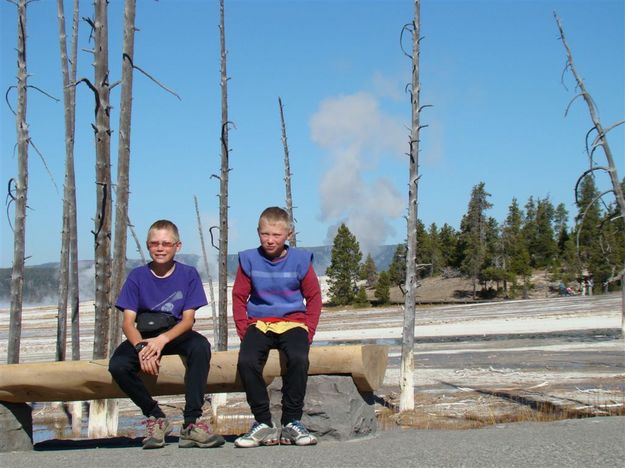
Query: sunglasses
[[165, 244]]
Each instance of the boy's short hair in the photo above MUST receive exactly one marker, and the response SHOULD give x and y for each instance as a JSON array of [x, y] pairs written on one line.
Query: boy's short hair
[[165, 224], [275, 214]]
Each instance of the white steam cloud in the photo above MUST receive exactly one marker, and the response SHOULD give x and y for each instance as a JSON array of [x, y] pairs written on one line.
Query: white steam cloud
[[357, 135]]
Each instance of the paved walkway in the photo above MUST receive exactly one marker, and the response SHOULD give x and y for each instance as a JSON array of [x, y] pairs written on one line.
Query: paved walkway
[[597, 442]]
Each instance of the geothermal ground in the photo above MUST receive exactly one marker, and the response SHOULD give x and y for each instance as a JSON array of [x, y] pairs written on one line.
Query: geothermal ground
[[475, 364]]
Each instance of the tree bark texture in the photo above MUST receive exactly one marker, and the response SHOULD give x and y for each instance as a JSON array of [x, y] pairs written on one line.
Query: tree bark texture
[[74, 289], [209, 277], [123, 171], [21, 189], [69, 192], [406, 380], [102, 232], [222, 343], [602, 141], [287, 176]]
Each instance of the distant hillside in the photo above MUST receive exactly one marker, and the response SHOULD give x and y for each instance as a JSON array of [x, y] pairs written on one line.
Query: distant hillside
[[41, 281]]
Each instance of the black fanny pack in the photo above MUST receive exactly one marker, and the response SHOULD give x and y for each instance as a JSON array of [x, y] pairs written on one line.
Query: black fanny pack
[[154, 323]]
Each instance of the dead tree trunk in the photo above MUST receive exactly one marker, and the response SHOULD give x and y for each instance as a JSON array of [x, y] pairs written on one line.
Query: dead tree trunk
[[74, 290], [406, 380], [600, 141], [69, 195], [287, 176], [123, 170], [222, 342], [208, 272], [70, 239], [21, 189], [98, 426], [102, 232], [137, 241]]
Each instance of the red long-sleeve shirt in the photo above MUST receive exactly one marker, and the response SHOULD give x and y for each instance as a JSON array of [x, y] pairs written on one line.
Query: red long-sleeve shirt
[[310, 317]]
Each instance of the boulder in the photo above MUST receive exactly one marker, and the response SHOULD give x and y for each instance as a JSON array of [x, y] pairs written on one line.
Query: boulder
[[16, 427], [334, 409]]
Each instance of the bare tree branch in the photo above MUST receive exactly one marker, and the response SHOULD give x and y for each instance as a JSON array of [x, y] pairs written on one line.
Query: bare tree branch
[[43, 92], [287, 176], [10, 198], [136, 67], [45, 164], [209, 277], [6, 98], [210, 231], [581, 221], [566, 112], [407, 28], [579, 180]]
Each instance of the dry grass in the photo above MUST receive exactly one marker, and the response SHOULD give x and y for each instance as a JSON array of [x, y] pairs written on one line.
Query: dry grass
[[477, 410]]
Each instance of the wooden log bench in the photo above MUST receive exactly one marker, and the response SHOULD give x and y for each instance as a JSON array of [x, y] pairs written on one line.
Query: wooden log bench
[[20, 384]]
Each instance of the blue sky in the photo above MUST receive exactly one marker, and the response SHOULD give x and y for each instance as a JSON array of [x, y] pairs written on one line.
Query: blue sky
[[490, 69]]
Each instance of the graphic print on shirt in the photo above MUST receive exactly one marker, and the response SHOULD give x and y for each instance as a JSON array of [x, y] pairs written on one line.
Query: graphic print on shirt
[[168, 304]]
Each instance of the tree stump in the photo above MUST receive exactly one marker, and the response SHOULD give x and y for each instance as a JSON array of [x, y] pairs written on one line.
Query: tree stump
[[16, 427], [334, 409]]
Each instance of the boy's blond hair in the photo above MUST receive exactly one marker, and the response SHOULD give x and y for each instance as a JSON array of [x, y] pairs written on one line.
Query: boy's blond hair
[[165, 224], [275, 214]]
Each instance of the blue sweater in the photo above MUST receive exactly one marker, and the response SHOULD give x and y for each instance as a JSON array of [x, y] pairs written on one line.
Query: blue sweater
[[276, 289]]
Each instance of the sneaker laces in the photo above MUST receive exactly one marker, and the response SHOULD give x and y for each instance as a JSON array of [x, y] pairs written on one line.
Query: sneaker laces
[[202, 426], [255, 428], [150, 423], [298, 427]]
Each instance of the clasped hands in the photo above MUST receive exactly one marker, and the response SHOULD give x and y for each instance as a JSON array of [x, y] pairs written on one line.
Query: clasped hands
[[150, 355]]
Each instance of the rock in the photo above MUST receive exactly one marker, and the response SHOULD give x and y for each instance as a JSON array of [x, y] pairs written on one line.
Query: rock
[[16, 427], [333, 408]]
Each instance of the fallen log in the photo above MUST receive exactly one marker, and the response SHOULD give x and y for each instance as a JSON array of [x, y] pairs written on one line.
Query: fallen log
[[88, 380]]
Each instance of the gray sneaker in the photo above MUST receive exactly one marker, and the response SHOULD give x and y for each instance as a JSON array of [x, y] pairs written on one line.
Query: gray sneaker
[[294, 433], [156, 429], [199, 435], [259, 434]]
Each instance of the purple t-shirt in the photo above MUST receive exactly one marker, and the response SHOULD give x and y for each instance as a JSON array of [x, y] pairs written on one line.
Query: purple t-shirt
[[180, 291]]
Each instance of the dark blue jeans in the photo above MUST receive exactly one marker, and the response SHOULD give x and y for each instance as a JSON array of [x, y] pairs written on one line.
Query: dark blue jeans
[[124, 367], [252, 358]]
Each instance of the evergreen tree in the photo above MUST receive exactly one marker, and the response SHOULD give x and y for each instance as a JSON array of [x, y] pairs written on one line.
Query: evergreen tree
[[361, 299], [436, 256], [397, 268], [530, 230], [448, 242], [368, 271], [473, 234], [344, 267], [424, 249], [544, 248], [560, 227], [588, 233], [612, 244], [492, 269], [516, 259], [383, 288], [492, 244]]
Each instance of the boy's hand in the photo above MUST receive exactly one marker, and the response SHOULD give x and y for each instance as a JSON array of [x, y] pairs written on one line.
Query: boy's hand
[[150, 366], [154, 347]]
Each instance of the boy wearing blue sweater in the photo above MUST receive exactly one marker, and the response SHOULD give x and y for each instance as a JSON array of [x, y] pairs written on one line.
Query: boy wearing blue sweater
[[276, 305]]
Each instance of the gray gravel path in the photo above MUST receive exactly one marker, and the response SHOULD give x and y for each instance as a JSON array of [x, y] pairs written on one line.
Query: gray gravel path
[[597, 442]]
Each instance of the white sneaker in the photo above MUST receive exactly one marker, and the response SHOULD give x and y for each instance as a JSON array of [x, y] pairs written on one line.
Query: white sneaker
[[259, 434], [294, 433]]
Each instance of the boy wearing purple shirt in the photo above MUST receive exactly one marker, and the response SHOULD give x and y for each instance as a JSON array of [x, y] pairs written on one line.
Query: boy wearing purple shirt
[[170, 291]]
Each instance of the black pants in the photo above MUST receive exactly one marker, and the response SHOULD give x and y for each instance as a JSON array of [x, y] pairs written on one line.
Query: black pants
[[252, 358], [124, 367]]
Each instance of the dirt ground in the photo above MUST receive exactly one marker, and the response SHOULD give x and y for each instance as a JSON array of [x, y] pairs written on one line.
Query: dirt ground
[[460, 289]]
